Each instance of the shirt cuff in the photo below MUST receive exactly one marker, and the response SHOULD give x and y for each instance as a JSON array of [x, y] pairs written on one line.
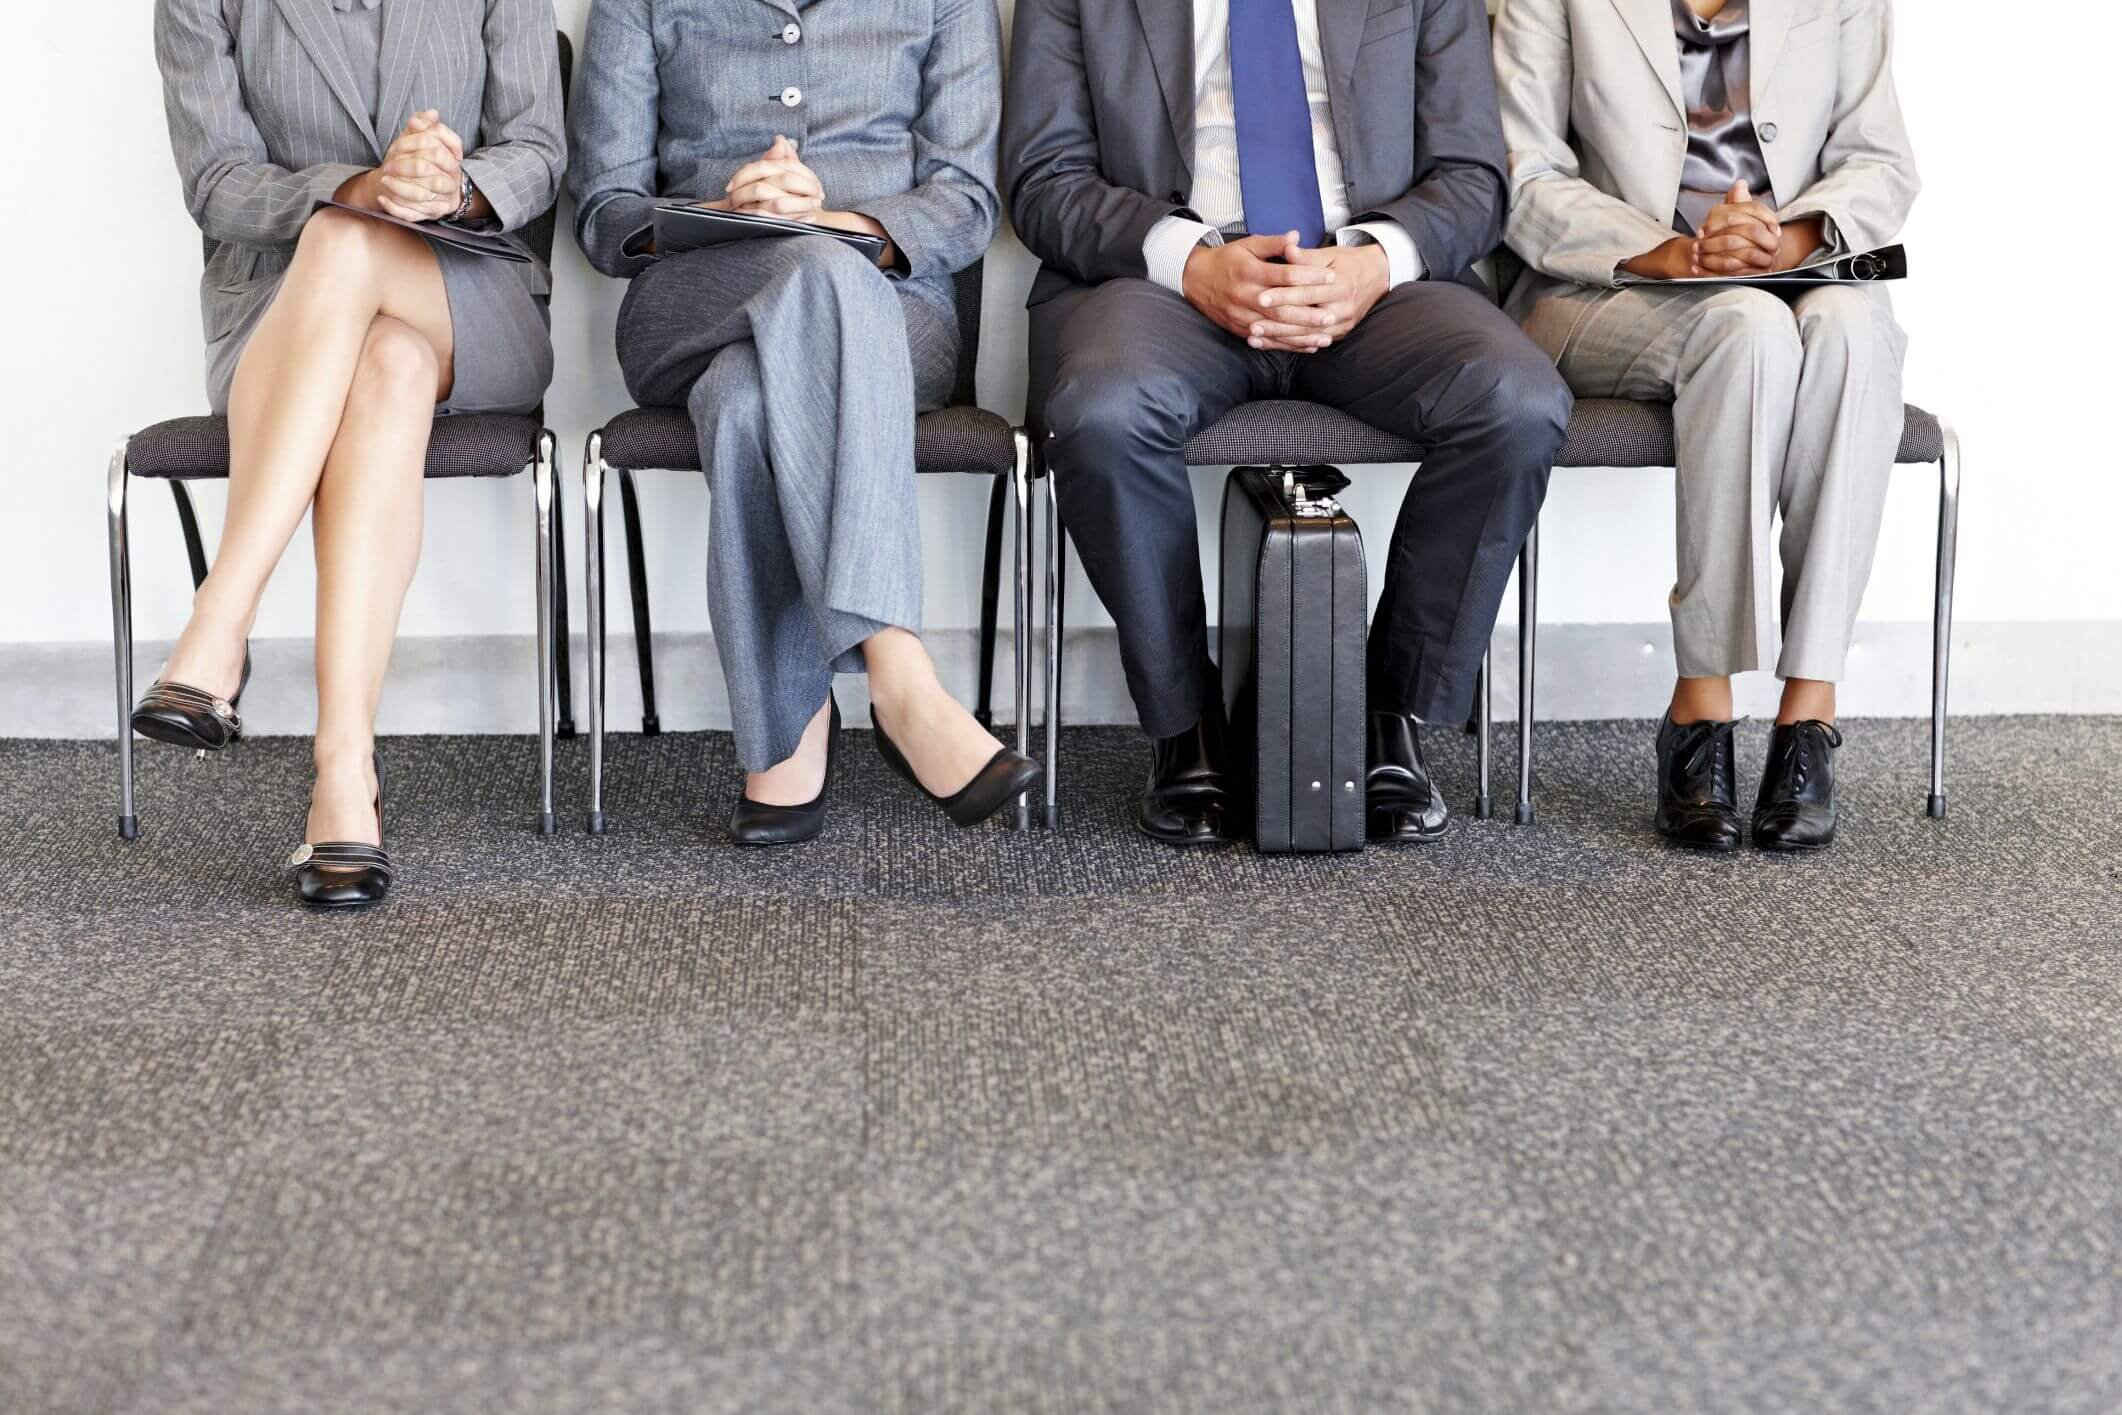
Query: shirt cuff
[[1166, 248], [1403, 261]]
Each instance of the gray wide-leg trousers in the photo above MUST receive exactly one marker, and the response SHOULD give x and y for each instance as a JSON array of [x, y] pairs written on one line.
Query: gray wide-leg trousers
[[802, 367]]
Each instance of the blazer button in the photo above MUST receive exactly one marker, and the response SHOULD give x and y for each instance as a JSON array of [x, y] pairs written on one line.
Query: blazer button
[[791, 96], [1768, 132], [791, 33]]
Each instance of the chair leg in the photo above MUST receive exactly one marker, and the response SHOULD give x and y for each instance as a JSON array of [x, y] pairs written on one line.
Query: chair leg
[[1021, 487], [637, 576], [563, 650], [542, 494], [593, 617], [1485, 705], [122, 637], [1528, 637], [1942, 615], [188, 519], [990, 598], [1056, 632]]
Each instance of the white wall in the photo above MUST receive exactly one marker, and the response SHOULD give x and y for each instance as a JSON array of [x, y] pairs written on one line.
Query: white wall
[[98, 263]]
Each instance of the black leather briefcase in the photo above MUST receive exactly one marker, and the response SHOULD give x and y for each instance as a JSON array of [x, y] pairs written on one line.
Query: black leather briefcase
[[1294, 607]]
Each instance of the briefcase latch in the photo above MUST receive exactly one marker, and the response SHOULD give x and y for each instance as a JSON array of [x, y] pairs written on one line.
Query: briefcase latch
[[1301, 500]]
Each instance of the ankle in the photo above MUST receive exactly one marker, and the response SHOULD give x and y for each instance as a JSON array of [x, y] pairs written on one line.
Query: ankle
[[336, 755], [1701, 700]]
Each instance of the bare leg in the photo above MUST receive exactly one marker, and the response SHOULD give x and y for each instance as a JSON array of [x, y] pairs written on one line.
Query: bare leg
[[285, 411], [944, 743], [366, 524], [1701, 700], [797, 778], [1807, 700]]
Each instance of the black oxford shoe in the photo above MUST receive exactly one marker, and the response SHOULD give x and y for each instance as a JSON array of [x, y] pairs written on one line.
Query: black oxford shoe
[[1187, 802], [1796, 808], [1401, 801], [1698, 806]]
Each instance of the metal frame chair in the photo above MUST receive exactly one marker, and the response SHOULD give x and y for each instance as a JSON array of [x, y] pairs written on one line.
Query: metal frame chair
[[1603, 433], [959, 438], [471, 445]]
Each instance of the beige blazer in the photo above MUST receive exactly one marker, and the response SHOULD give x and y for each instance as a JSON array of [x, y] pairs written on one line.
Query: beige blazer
[[1597, 129]]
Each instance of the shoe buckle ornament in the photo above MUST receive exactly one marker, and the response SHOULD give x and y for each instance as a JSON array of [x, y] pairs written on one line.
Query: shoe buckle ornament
[[302, 855]]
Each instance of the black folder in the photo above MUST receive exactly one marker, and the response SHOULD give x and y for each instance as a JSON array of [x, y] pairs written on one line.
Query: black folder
[[456, 237], [685, 226], [1863, 268]]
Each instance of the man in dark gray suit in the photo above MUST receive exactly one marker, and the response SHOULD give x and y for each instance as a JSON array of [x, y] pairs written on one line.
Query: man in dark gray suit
[[1357, 141]]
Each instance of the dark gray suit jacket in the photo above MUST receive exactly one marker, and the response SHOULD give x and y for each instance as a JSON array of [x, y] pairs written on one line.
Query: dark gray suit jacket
[[1097, 135]]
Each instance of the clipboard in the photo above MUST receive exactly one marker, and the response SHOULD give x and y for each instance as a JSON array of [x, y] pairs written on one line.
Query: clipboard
[[685, 226], [455, 237], [1863, 268]]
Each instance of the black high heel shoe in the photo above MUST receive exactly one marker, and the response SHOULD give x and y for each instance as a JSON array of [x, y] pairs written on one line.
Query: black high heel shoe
[[1006, 776], [757, 823], [343, 874], [184, 716]]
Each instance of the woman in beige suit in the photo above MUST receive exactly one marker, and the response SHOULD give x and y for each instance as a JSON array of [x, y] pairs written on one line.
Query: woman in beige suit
[[1675, 139]]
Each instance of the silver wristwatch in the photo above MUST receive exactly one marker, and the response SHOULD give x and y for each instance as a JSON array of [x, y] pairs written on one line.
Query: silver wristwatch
[[464, 204]]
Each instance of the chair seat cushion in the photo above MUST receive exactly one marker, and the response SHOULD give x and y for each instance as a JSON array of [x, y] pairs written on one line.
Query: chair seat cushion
[[949, 440], [462, 445], [1603, 432]]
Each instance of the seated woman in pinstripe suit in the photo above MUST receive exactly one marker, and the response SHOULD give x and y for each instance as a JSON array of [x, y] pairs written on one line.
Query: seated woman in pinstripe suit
[[334, 339], [801, 363]]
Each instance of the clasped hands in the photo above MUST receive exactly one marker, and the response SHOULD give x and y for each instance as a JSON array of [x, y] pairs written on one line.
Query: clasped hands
[[1299, 306], [1741, 236], [779, 183], [421, 177]]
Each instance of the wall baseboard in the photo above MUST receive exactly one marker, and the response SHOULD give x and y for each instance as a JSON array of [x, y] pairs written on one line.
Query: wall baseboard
[[482, 685]]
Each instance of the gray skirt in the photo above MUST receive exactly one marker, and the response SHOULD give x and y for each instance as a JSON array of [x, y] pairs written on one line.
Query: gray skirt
[[503, 334]]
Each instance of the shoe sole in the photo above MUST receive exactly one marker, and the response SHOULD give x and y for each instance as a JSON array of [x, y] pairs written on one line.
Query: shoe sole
[[1793, 849], [168, 733]]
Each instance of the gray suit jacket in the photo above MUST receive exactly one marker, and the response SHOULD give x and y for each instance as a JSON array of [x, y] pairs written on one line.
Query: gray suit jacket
[[1593, 110], [267, 121], [893, 103], [1098, 139]]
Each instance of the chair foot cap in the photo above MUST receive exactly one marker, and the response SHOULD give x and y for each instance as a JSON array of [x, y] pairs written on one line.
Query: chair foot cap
[[545, 823], [128, 827], [1524, 814], [1053, 817], [651, 727], [597, 823], [565, 732], [1484, 808], [1937, 807]]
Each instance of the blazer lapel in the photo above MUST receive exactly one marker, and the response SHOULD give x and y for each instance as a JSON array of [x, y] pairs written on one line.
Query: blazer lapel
[[404, 29], [1768, 24], [312, 26], [1169, 27], [1340, 36], [1651, 21]]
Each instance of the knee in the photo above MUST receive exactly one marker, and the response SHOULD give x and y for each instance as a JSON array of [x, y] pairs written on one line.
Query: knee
[[830, 267], [398, 368], [1513, 387], [1102, 408], [335, 240], [1847, 325], [1753, 322]]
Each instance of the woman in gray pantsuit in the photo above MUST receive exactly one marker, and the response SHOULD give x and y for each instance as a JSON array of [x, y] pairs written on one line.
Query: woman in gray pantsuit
[[801, 363], [333, 339], [1690, 138]]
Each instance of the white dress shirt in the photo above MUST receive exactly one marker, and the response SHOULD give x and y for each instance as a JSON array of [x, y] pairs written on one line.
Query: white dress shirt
[[1217, 194]]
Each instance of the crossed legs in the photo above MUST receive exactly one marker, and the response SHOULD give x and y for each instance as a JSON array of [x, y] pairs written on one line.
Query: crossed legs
[[330, 413]]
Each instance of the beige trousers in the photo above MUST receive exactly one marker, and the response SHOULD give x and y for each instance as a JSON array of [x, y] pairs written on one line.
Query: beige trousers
[[1781, 406]]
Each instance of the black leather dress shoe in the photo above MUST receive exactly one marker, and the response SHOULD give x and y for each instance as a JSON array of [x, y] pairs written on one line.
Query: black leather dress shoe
[[1698, 805], [344, 874], [1796, 807], [184, 716], [1006, 776], [1401, 801], [1187, 802], [757, 823]]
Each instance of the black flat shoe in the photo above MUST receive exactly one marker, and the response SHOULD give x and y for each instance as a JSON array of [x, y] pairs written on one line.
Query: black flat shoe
[[756, 823], [1796, 808], [184, 716], [1698, 808], [1401, 801], [343, 874], [1006, 776], [1187, 802]]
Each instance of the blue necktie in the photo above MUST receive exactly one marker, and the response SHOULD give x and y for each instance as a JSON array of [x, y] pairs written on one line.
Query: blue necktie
[[1277, 173]]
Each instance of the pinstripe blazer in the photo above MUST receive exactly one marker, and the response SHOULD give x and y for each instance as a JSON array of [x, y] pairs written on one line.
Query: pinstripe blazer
[[893, 103], [267, 120]]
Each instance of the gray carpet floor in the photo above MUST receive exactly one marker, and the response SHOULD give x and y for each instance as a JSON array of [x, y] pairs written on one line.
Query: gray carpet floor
[[909, 1119]]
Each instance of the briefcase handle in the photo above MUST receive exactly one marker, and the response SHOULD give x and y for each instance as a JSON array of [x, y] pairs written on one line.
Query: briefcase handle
[[1307, 484]]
